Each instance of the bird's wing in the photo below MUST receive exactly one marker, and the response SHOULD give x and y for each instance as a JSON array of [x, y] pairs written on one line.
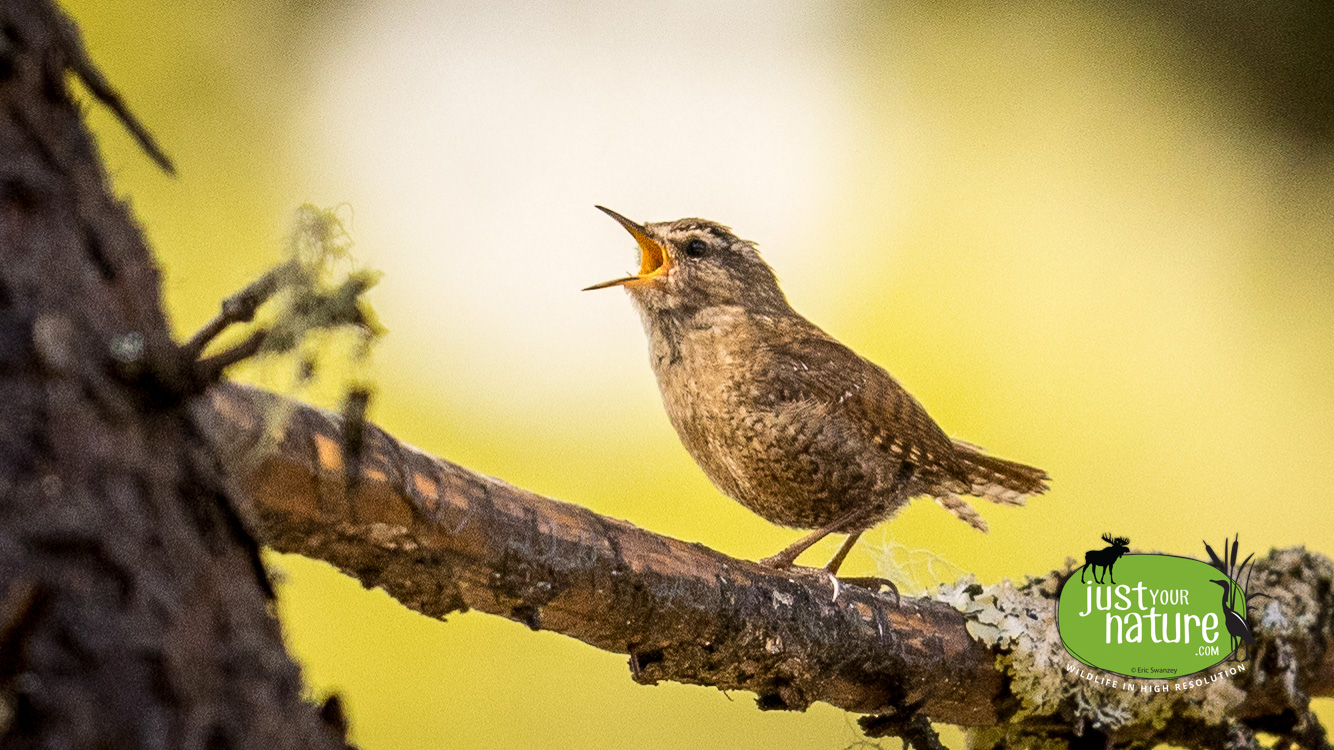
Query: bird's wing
[[817, 368]]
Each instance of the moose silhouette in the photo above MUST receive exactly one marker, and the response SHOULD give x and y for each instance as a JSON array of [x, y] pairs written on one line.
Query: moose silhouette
[[1105, 558]]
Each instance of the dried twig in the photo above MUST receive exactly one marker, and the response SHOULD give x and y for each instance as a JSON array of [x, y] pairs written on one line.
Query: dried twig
[[210, 369], [82, 66], [241, 307]]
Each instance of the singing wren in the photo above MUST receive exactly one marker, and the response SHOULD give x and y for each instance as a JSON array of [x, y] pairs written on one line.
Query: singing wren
[[782, 417]]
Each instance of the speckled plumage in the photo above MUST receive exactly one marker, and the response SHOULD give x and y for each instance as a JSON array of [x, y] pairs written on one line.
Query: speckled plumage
[[780, 416]]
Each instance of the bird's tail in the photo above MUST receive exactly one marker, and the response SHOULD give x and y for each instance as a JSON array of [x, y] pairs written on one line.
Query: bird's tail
[[996, 479], [962, 510]]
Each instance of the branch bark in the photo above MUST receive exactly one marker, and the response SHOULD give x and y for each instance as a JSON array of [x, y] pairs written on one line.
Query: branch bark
[[440, 538]]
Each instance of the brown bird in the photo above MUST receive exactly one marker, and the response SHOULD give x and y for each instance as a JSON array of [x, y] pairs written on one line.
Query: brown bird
[[781, 417]]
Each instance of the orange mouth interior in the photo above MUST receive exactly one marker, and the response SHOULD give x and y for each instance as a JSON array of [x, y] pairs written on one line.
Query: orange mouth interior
[[653, 258]]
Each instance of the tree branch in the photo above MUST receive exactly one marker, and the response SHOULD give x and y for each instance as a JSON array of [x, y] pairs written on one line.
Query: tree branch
[[440, 538]]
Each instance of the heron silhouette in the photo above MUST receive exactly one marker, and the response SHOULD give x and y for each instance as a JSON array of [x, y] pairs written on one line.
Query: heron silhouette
[[1236, 624]]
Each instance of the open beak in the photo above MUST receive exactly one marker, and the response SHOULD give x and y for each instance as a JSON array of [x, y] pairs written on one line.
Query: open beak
[[653, 259]]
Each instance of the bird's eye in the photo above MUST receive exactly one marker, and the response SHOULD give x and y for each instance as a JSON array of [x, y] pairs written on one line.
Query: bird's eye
[[696, 248]]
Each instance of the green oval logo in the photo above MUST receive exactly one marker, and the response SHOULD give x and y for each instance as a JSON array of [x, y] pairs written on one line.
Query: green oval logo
[[1151, 616]]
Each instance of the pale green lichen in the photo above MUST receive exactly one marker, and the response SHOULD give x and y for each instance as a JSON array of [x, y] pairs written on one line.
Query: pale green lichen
[[319, 316]]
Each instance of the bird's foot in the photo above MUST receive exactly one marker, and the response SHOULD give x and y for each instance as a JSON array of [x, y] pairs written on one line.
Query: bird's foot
[[866, 582], [873, 583], [796, 570]]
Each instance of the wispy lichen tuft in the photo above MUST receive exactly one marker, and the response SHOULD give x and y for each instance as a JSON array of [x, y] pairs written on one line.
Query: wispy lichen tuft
[[914, 570], [319, 325]]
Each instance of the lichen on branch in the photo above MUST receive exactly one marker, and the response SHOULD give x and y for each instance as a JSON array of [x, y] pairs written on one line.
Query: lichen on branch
[[312, 303]]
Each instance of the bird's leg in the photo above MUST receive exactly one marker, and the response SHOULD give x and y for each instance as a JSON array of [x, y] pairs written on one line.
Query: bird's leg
[[784, 559], [867, 582], [837, 560]]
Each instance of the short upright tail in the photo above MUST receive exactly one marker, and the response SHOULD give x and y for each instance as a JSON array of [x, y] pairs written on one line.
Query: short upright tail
[[996, 479]]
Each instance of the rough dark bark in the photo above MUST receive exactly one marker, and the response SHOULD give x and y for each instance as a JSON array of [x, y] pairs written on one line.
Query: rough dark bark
[[133, 608], [440, 538]]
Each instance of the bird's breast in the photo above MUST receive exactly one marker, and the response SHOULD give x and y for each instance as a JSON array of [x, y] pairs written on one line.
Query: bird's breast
[[699, 360], [704, 365]]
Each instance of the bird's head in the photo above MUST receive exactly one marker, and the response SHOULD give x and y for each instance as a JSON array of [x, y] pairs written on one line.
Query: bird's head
[[691, 264]]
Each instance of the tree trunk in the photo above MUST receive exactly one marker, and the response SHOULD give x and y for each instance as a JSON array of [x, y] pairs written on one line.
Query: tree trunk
[[134, 611]]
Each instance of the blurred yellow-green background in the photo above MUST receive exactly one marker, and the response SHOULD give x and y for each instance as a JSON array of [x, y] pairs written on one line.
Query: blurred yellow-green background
[[1096, 238]]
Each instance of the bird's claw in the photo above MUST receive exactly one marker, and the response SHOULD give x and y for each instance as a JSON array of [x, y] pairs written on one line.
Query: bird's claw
[[873, 583]]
